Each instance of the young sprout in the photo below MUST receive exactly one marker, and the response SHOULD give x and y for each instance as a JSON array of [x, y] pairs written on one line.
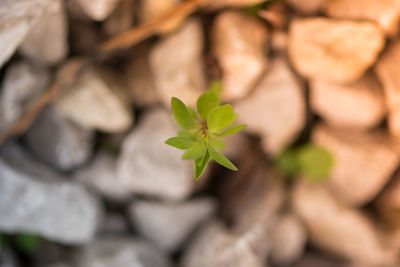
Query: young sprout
[[202, 132]]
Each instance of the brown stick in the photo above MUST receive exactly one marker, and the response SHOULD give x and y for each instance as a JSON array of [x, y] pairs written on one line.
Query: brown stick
[[123, 40]]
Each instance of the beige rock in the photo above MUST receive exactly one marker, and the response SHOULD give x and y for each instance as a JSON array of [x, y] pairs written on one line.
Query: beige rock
[[98, 9], [216, 4], [275, 109], [386, 13], [240, 52], [357, 105], [388, 73], [121, 19], [150, 9], [341, 230], [359, 157], [336, 50], [177, 65], [46, 42], [279, 41], [390, 197], [94, 102], [307, 6]]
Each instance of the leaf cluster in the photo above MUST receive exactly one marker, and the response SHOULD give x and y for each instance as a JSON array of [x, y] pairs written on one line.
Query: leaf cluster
[[202, 132]]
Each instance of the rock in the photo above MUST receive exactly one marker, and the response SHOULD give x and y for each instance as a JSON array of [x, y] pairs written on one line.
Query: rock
[[358, 157], [280, 99], [215, 246], [288, 240], [315, 260], [168, 224], [340, 105], [307, 6], [341, 230], [388, 74], [92, 35], [97, 95], [151, 9], [100, 175], [46, 43], [216, 4], [16, 19], [121, 19], [114, 224], [240, 52], [121, 252], [385, 13], [177, 64], [98, 9], [279, 41], [7, 258], [34, 199], [147, 165], [58, 141], [390, 197], [336, 50], [22, 85]]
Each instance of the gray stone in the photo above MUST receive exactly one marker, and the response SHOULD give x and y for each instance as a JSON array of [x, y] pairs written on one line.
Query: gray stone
[[23, 84], [98, 9], [121, 252], [147, 165], [100, 175], [34, 199], [58, 141], [46, 43], [7, 258], [169, 224]]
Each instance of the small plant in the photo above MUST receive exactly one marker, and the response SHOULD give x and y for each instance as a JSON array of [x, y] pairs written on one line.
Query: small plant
[[310, 161], [202, 132]]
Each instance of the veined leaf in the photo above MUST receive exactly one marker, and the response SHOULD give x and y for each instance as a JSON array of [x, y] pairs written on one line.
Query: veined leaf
[[181, 114], [233, 130], [221, 159], [200, 164], [216, 143], [180, 142], [220, 118], [207, 102], [196, 151]]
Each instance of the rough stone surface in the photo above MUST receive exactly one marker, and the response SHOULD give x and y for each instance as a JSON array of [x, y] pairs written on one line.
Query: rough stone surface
[[148, 166], [307, 6], [176, 62], [121, 252], [46, 43], [121, 19], [34, 199], [341, 230], [97, 95], [288, 240], [279, 101], [215, 246], [100, 174], [340, 105], [359, 157], [388, 74], [336, 50], [241, 53], [98, 9], [151, 9], [22, 85], [168, 224], [386, 13], [59, 141]]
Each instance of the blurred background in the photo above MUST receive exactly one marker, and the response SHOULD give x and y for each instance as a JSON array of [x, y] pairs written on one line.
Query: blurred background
[[86, 179]]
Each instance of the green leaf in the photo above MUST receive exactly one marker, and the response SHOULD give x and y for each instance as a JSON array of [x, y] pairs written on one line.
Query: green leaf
[[179, 142], [216, 85], [192, 113], [3, 241], [287, 162], [233, 130], [221, 159], [186, 134], [181, 114], [315, 162], [196, 151], [28, 243], [207, 102], [220, 118], [216, 143], [200, 164]]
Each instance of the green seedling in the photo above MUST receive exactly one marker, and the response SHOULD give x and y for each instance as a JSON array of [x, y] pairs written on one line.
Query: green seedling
[[202, 133]]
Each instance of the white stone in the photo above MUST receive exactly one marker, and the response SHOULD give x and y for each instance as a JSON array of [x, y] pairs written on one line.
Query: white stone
[[98, 9]]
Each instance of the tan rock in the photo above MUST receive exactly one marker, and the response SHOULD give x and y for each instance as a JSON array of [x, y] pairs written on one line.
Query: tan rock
[[240, 52], [359, 157], [151, 9], [98, 9], [95, 101], [307, 6], [275, 109], [387, 70], [341, 230], [121, 19], [357, 105], [216, 4], [336, 50], [386, 13], [46, 42], [177, 65], [390, 197]]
